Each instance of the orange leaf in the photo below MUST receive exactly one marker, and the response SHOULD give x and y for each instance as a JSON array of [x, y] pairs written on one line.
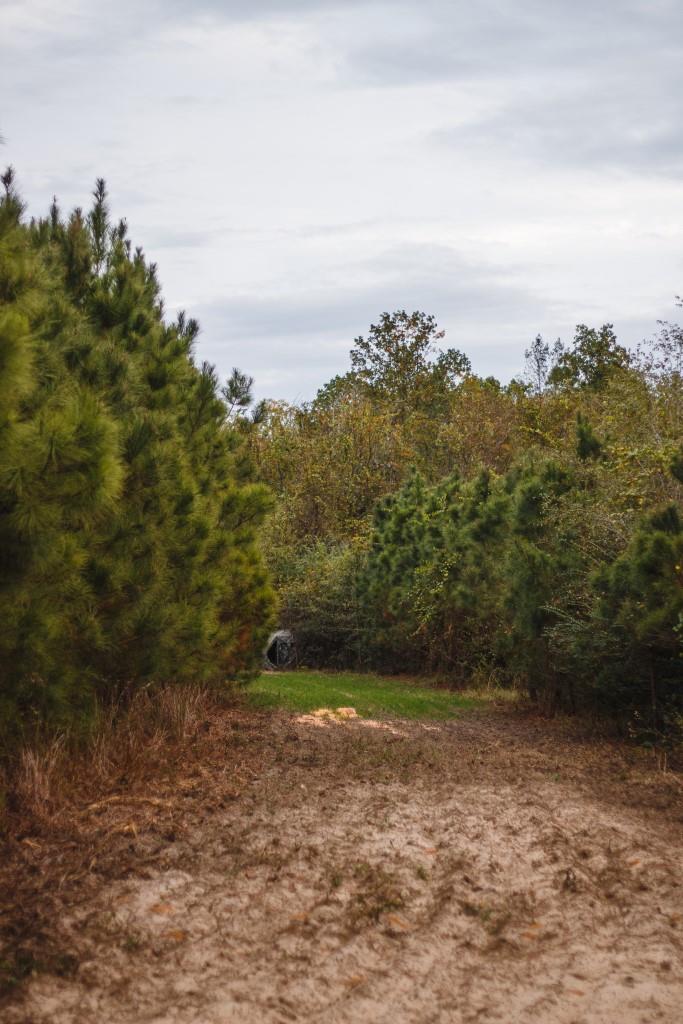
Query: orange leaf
[[355, 980], [397, 924], [162, 908]]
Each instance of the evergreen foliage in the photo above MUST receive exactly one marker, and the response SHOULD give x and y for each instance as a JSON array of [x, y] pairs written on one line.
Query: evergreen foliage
[[499, 574], [587, 444], [640, 597], [128, 514]]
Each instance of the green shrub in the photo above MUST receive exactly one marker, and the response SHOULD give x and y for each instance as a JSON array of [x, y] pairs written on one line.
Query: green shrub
[[319, 601]]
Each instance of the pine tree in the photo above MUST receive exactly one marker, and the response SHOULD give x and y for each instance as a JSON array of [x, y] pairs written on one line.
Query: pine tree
[[640, 599], [128, 514], [587, 444]]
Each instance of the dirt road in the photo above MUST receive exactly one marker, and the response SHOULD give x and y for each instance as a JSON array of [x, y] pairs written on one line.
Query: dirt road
[[488, 869]]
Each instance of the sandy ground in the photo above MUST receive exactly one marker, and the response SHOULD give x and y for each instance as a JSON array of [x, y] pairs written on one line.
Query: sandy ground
[[488, 869]]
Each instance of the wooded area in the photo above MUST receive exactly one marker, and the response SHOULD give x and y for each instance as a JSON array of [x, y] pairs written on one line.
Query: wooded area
[[494, 538], [430, 520], [421, 518]]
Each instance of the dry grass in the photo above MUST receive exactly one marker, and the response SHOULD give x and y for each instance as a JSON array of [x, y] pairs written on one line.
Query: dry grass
[[124, 743], [130, 740], [36, 781], [486, 687]]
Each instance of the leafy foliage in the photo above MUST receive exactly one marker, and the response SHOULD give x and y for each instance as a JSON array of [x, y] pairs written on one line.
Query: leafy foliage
[[594, 357], [531, 531], [399, 360]]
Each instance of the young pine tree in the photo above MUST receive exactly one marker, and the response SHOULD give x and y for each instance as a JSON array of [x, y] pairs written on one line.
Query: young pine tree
[[128, 517]]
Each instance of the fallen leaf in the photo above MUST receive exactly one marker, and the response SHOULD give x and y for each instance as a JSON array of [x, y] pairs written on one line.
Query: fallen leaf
[[355, 980], [129, 829], [397, 925], [164, 909]]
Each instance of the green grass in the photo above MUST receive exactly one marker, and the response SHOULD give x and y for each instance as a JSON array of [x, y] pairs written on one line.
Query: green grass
[[372, 696]]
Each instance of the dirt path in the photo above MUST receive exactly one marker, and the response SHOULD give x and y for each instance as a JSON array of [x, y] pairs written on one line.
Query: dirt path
[[485, 870]]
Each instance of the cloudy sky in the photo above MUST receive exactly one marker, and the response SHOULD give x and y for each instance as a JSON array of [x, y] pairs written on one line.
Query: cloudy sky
[[296, 167]]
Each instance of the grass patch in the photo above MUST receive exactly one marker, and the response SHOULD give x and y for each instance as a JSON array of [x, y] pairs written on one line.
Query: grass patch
[[372, 696]]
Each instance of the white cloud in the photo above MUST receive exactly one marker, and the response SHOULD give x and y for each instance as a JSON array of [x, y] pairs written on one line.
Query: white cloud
[[298, 167]]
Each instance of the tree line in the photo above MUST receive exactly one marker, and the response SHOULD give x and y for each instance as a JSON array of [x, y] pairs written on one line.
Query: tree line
[[413, 517], [429, 520]]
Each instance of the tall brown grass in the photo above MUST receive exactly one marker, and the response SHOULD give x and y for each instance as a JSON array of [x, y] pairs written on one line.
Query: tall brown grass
[[126, 740]]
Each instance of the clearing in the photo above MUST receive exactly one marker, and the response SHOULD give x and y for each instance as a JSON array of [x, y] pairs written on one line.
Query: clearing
[[370, 696], [293, 866]]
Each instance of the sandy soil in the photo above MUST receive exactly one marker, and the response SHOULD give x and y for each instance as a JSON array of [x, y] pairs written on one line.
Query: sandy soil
[[488, 869]]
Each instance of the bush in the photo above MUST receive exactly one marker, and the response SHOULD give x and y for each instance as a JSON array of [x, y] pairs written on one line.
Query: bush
[[319, 602], [529, 576]]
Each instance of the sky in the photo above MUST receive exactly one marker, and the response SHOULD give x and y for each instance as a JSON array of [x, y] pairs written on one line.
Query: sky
[[297, 167]]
